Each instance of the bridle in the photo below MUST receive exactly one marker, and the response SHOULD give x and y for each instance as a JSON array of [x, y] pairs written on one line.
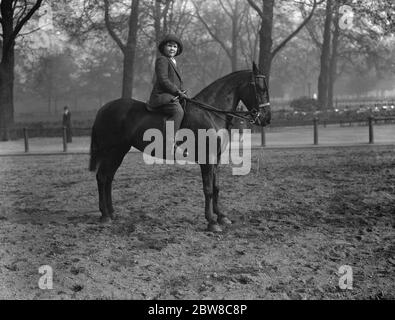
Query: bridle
[[262, 106], [253, 115]]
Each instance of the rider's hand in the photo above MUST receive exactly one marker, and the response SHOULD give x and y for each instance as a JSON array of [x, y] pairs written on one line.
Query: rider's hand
[[182, 95]]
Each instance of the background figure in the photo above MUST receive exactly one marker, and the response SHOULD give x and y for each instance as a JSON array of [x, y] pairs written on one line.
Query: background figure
[[67, 123]]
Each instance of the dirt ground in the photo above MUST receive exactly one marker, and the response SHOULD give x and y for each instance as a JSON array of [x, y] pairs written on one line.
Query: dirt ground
[[297, 217]]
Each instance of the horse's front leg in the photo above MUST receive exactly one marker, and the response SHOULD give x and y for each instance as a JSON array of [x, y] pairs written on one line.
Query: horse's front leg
[[208, 177], [101, 183], [222, 218]]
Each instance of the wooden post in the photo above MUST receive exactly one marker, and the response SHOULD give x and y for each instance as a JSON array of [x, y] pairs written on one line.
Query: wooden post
[[371, 135], [263, 137], [64, 139], [315, 122], [26, 138]]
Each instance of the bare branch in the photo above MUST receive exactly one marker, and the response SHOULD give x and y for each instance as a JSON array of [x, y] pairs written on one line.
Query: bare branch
[[185, 23], [111, 31], [29, 32], [243, 15], [166, 9], [21, 12], [26, 18], [14, 5], [256, 8], [212, 34], [285, 41], [225, 9], [310, 29]]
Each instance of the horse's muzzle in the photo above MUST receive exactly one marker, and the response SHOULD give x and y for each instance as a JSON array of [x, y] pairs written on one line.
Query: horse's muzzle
[[265, 113]]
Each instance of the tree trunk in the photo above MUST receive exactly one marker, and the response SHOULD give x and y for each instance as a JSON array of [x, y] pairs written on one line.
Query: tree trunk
[[10, 29], [129, 52], [128, 73], [333, 60], [6, 95], [265, 38], [235, 35], [157, 21], [323, 78], [7, 72], [266, 54]]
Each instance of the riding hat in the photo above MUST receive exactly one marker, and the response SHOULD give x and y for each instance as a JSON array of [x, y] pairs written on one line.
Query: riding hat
[[170, 38]]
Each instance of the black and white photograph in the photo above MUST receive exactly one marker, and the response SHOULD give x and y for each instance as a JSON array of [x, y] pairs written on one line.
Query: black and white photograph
[[211, 151]]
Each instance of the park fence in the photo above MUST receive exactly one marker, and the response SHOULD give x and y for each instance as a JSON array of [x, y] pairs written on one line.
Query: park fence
[[27, 133]]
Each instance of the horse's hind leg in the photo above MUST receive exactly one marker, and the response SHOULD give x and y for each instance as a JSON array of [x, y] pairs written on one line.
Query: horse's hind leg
[[105, 177], [100, 178], [222, 218], [207, 175]]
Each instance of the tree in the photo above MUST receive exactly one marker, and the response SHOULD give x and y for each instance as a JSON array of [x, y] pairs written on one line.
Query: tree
[[120, 18], [14, 15], [159, 18], [101, 75], [129, 48], [236, 13], [266, 53], [334, 56], [53, 77], [295, 70], [323, 79], [354, 34]]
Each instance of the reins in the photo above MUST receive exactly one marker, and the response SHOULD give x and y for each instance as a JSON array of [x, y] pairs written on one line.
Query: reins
[[234, 114], [251, 115]]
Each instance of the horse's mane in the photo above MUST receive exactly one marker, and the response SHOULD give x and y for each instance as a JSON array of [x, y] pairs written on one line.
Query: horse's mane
[[225, 79]]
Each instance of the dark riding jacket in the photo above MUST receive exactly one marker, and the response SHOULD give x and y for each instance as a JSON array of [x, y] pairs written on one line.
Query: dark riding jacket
[[167, 82], [66, 121]]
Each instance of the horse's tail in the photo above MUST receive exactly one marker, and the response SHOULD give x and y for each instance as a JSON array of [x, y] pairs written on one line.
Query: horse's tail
[[94, 152]]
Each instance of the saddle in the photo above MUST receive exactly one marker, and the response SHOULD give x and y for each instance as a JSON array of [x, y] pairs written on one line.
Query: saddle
[[157, 109]]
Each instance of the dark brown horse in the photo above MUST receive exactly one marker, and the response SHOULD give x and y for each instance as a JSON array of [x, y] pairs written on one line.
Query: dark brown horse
[[120, 124]]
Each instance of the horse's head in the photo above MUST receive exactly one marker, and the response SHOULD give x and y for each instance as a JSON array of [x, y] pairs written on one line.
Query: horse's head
[[255, 96]]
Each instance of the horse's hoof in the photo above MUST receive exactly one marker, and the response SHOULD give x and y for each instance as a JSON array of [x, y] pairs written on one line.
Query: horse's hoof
[[105, 219], [214, 227], [224, 221]]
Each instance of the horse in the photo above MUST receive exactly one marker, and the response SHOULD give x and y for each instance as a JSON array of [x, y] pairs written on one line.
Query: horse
[[120, 124]]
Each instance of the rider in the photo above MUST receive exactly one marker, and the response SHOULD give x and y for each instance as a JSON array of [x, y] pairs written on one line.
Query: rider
[[167, 91]]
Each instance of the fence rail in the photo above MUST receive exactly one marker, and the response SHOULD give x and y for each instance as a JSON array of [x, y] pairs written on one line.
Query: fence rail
[[27, 133]]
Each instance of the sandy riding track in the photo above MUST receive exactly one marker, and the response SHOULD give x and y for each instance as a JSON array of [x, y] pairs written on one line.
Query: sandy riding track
[[298, 217]]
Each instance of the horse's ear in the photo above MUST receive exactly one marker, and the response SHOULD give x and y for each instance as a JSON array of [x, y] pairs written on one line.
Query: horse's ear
[[255, 68]]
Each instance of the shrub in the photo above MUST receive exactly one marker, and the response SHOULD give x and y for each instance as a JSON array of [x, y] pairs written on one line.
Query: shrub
[[304, 104]]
